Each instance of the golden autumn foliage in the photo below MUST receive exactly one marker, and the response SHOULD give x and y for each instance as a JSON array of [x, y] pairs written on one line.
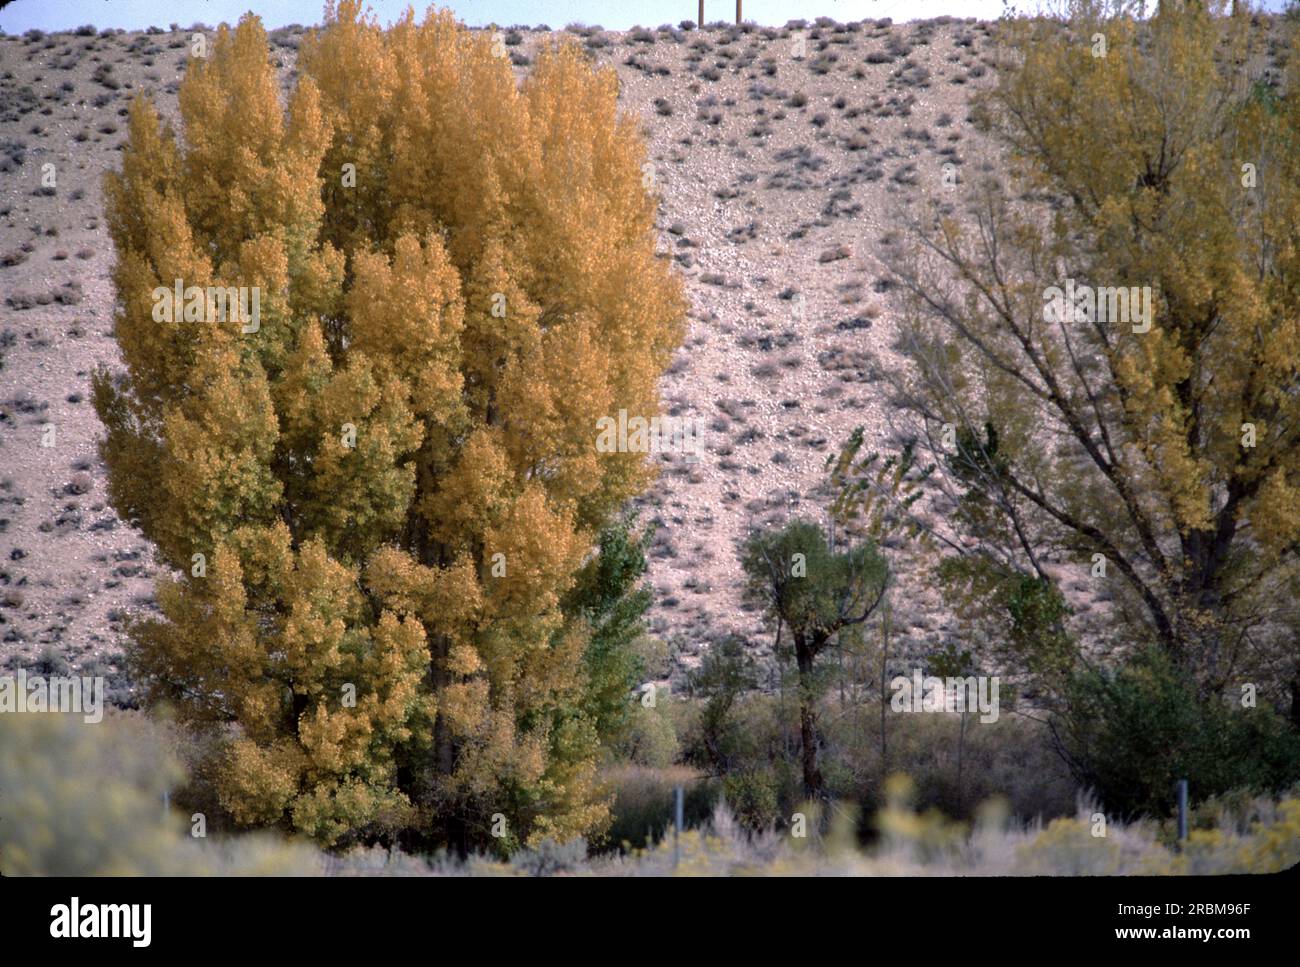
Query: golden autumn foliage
[[1154, 154], [392, 481]]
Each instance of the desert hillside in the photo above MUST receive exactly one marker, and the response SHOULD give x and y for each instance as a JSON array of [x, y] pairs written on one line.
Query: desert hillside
[[985, 338], [778, 154]]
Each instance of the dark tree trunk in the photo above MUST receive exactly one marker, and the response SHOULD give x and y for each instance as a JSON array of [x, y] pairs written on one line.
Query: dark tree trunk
[[443, 753], [1295, 698], [1206, 552], [812, 777], [300, 702]]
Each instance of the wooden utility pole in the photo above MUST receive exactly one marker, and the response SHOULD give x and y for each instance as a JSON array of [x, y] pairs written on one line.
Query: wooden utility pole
[[700, 25], [738, 11]]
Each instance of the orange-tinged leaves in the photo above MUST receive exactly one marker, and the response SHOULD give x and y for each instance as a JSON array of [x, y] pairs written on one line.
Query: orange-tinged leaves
[[394, 478]]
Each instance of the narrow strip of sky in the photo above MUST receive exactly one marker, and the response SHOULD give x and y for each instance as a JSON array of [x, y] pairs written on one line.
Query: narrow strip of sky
[[51, 15]]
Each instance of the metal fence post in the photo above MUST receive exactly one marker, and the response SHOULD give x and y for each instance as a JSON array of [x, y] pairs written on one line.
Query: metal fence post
[[679, 798], [1182, 812]]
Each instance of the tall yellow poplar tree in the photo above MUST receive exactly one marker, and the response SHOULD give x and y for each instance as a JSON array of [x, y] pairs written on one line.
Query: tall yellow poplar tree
[[376, 497]]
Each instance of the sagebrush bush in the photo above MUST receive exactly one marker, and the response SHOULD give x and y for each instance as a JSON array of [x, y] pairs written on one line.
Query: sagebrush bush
[[87, 800]]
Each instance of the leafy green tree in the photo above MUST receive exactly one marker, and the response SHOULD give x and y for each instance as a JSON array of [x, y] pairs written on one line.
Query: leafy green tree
[[726, 672], [608, 594], [814, 593]]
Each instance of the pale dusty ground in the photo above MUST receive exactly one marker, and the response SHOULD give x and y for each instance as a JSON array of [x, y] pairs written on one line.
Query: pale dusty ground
[[764, 193]]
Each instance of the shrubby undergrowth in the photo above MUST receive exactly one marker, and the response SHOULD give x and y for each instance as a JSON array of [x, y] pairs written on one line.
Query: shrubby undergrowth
[[78, 800]]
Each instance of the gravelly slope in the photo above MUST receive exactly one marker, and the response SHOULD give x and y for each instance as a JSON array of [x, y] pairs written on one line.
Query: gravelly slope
[[780, 156]]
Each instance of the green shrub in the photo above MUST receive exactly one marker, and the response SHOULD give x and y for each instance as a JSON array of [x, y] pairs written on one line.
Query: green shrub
[[548, 857], [649, 736], [754, 798], [1132, 732]]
